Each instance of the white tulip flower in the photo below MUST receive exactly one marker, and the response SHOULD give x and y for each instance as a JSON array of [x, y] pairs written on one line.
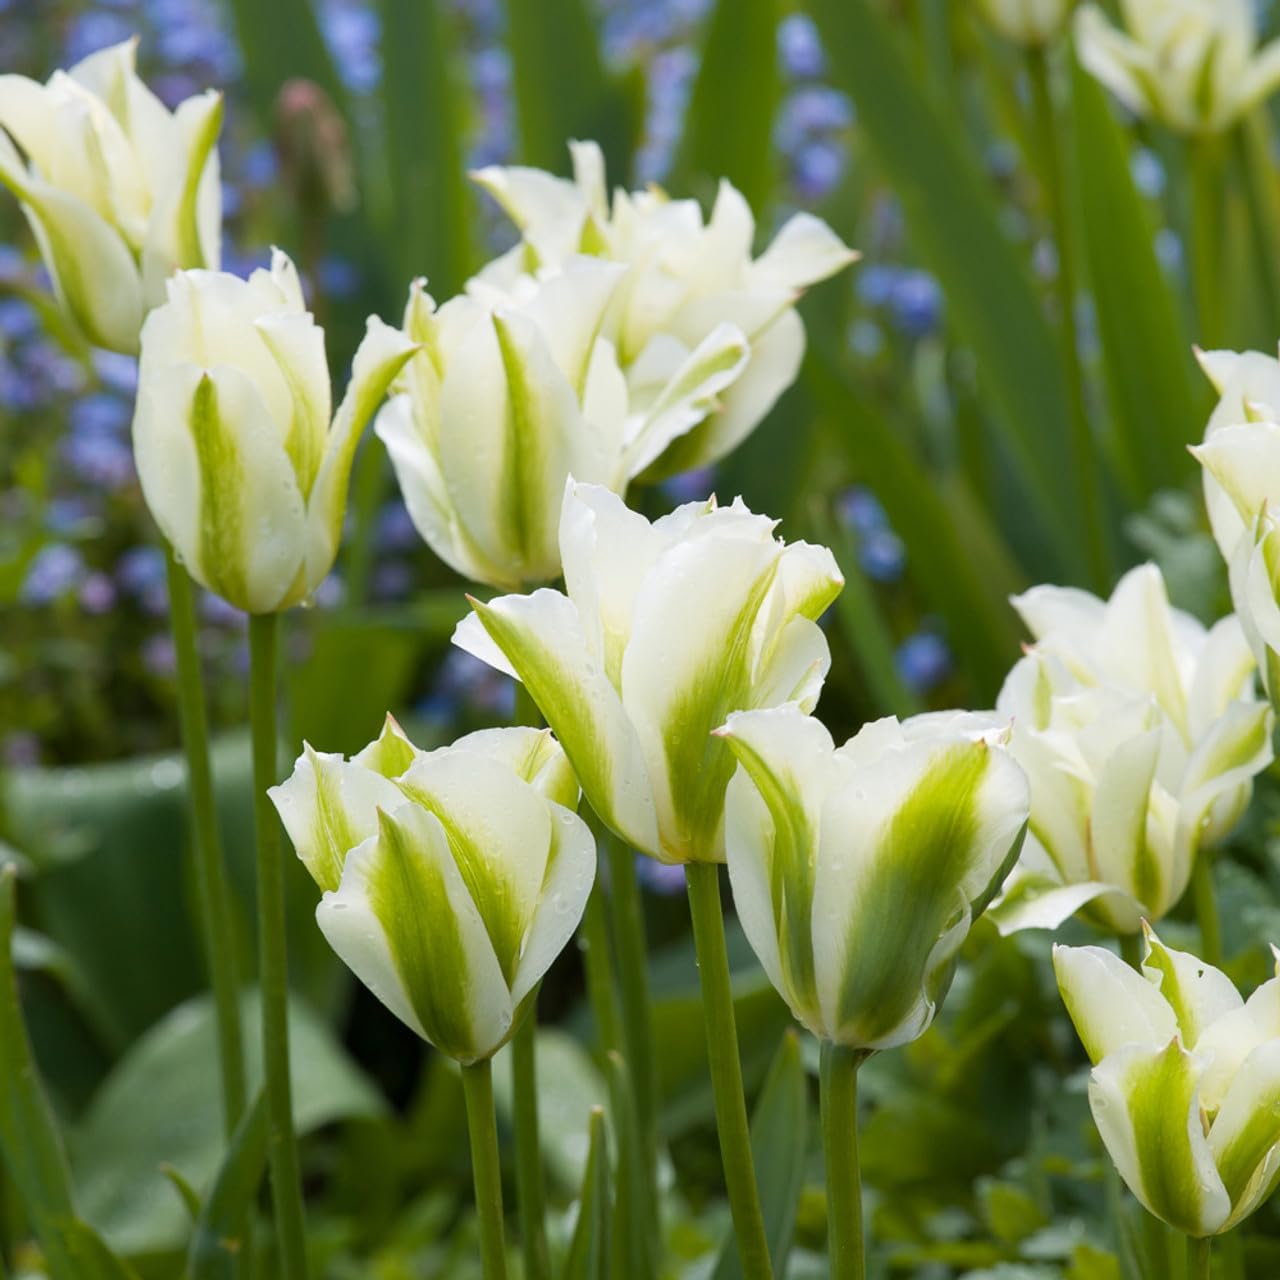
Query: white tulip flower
[[1185, 1087], [452, 879], [239, 462], [1026, 22], [683, 279], [664, 630], [858, 871], [1141, 736], [118, 190], [1194, 65]]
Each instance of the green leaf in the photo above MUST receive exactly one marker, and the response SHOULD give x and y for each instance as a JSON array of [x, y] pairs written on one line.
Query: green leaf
[[221, 1228], [730, 117], [628, 1245], [779, 1145], [1157, 407], [160, 1106], [588, 1257], [562, 90], [954, 225], [431, 217]]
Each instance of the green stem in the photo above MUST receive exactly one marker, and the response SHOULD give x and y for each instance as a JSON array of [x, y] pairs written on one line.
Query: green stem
[[839, 1101], [1131, 950], [1199, 1258], [1206, 239], [215, 902], [1262, 197], [1206, 904], [530, 1196], [1083, 450], [273, 961], [593, 941], [627, 913], [486, 1165], [726, 1069]]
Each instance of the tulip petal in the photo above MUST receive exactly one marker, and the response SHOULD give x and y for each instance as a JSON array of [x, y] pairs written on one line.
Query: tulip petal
[[1245, 461], [1230, 1039], [1217, 780], [1197, 993], [1121, 64], [1033, 900], [390, 753], [1110, 1004], [533, 755], [1245, 1137], [548, 211], [1146, 1104], [296, 344], [328, 807], [1122, 854], [803, 252], [1224, 672], [541, 637]]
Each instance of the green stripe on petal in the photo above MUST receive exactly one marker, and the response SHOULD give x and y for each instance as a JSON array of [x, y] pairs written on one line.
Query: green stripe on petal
[[1197, 993], [391, 753], [1245, 1136], [1146, 1104]]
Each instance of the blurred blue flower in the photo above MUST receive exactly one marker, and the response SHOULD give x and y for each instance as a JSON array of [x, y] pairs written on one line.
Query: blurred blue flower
[[100, 460], [875, 283], [339, 277], [818, 168], [141, 574], [866, 338], [800, 47], [174, 87], [916, 304], [392, 580], [690, 486], [859, 509], [882, 555], [330, 593], [56, 570], [118, 373], [14, 266], [351, 30], [663, 878], [464, 683], [92, 30], [1002, 158], [816, 108], [70, 513], [100, 413], [259, 165], [158, 655], [19, 391], [1169, 250], [395, 531], [1148, 173], [97, 593], [18, 319], [923, 661], [55, 372]]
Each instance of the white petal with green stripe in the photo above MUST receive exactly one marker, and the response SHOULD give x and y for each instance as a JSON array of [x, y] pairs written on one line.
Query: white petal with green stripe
[[1110, 1004]]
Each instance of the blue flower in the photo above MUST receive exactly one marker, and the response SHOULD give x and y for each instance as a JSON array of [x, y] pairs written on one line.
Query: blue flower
[[100, 460], [97, 593], [916, 304], [818, 168], [118, 373], [882, 555], [55, 571], [18, 319], [923, 661], [800, 47], [396, 530], [859, 509], [663, 878], [100, 414], [93, 30]]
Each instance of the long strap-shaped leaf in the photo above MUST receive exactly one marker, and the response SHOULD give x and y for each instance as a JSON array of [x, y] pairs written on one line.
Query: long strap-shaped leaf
[[29, 1139], [954, 225]]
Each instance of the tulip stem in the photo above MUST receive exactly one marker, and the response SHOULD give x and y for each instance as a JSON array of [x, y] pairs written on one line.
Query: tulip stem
[[839, 1099], [273, 962], [1206, 238], [1082, 443], [530, 1197], [1262, 197], [486, 1166], [215, 904], [703, 879], [1199, 1258], [593, 941], [627, 913], [1206, 904]]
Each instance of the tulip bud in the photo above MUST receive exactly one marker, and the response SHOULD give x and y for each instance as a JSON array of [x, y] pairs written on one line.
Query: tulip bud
[[118, 190], [510, 394], [1026, 22], [683, 279], [1194, 65], [451, 879], [242, 469], [1185, 1080], [314, 149], [665, 629], [858, 872], [1141, 736]]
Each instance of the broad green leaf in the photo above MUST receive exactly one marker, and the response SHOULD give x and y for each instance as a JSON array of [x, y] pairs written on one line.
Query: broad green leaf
[[562, 89], [954, 225], [730, 117], [220, 1231], [588, 1257], [160, 1105], [431, 216], [1157, 408], [779, 1145]]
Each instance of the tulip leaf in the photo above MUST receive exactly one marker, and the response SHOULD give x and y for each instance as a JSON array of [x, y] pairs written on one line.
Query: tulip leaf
[[954, 225], [588, 1257], [160, 1105], [1157, 407], [562, 89], [221, 1227], [628, 1244], [779, 1145], [738, 81]]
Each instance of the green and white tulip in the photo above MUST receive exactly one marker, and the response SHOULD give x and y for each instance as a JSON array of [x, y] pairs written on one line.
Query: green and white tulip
[[511, 392], [239, 462], [1185, 1087], [451, 878], [1141, 735], [858, 871], [683, 278], [1026, 22], [118, 190], [1194, 65], [664, 629]]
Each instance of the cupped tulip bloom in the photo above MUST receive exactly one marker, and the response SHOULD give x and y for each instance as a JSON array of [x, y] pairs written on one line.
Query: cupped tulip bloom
[[242, 469], [1026, 22], [118, 190], [512, 392], [858, 871], [1194, 65], [1185, 1087], [683, 278], [665, 629], [1141, 735], [451, 879]]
